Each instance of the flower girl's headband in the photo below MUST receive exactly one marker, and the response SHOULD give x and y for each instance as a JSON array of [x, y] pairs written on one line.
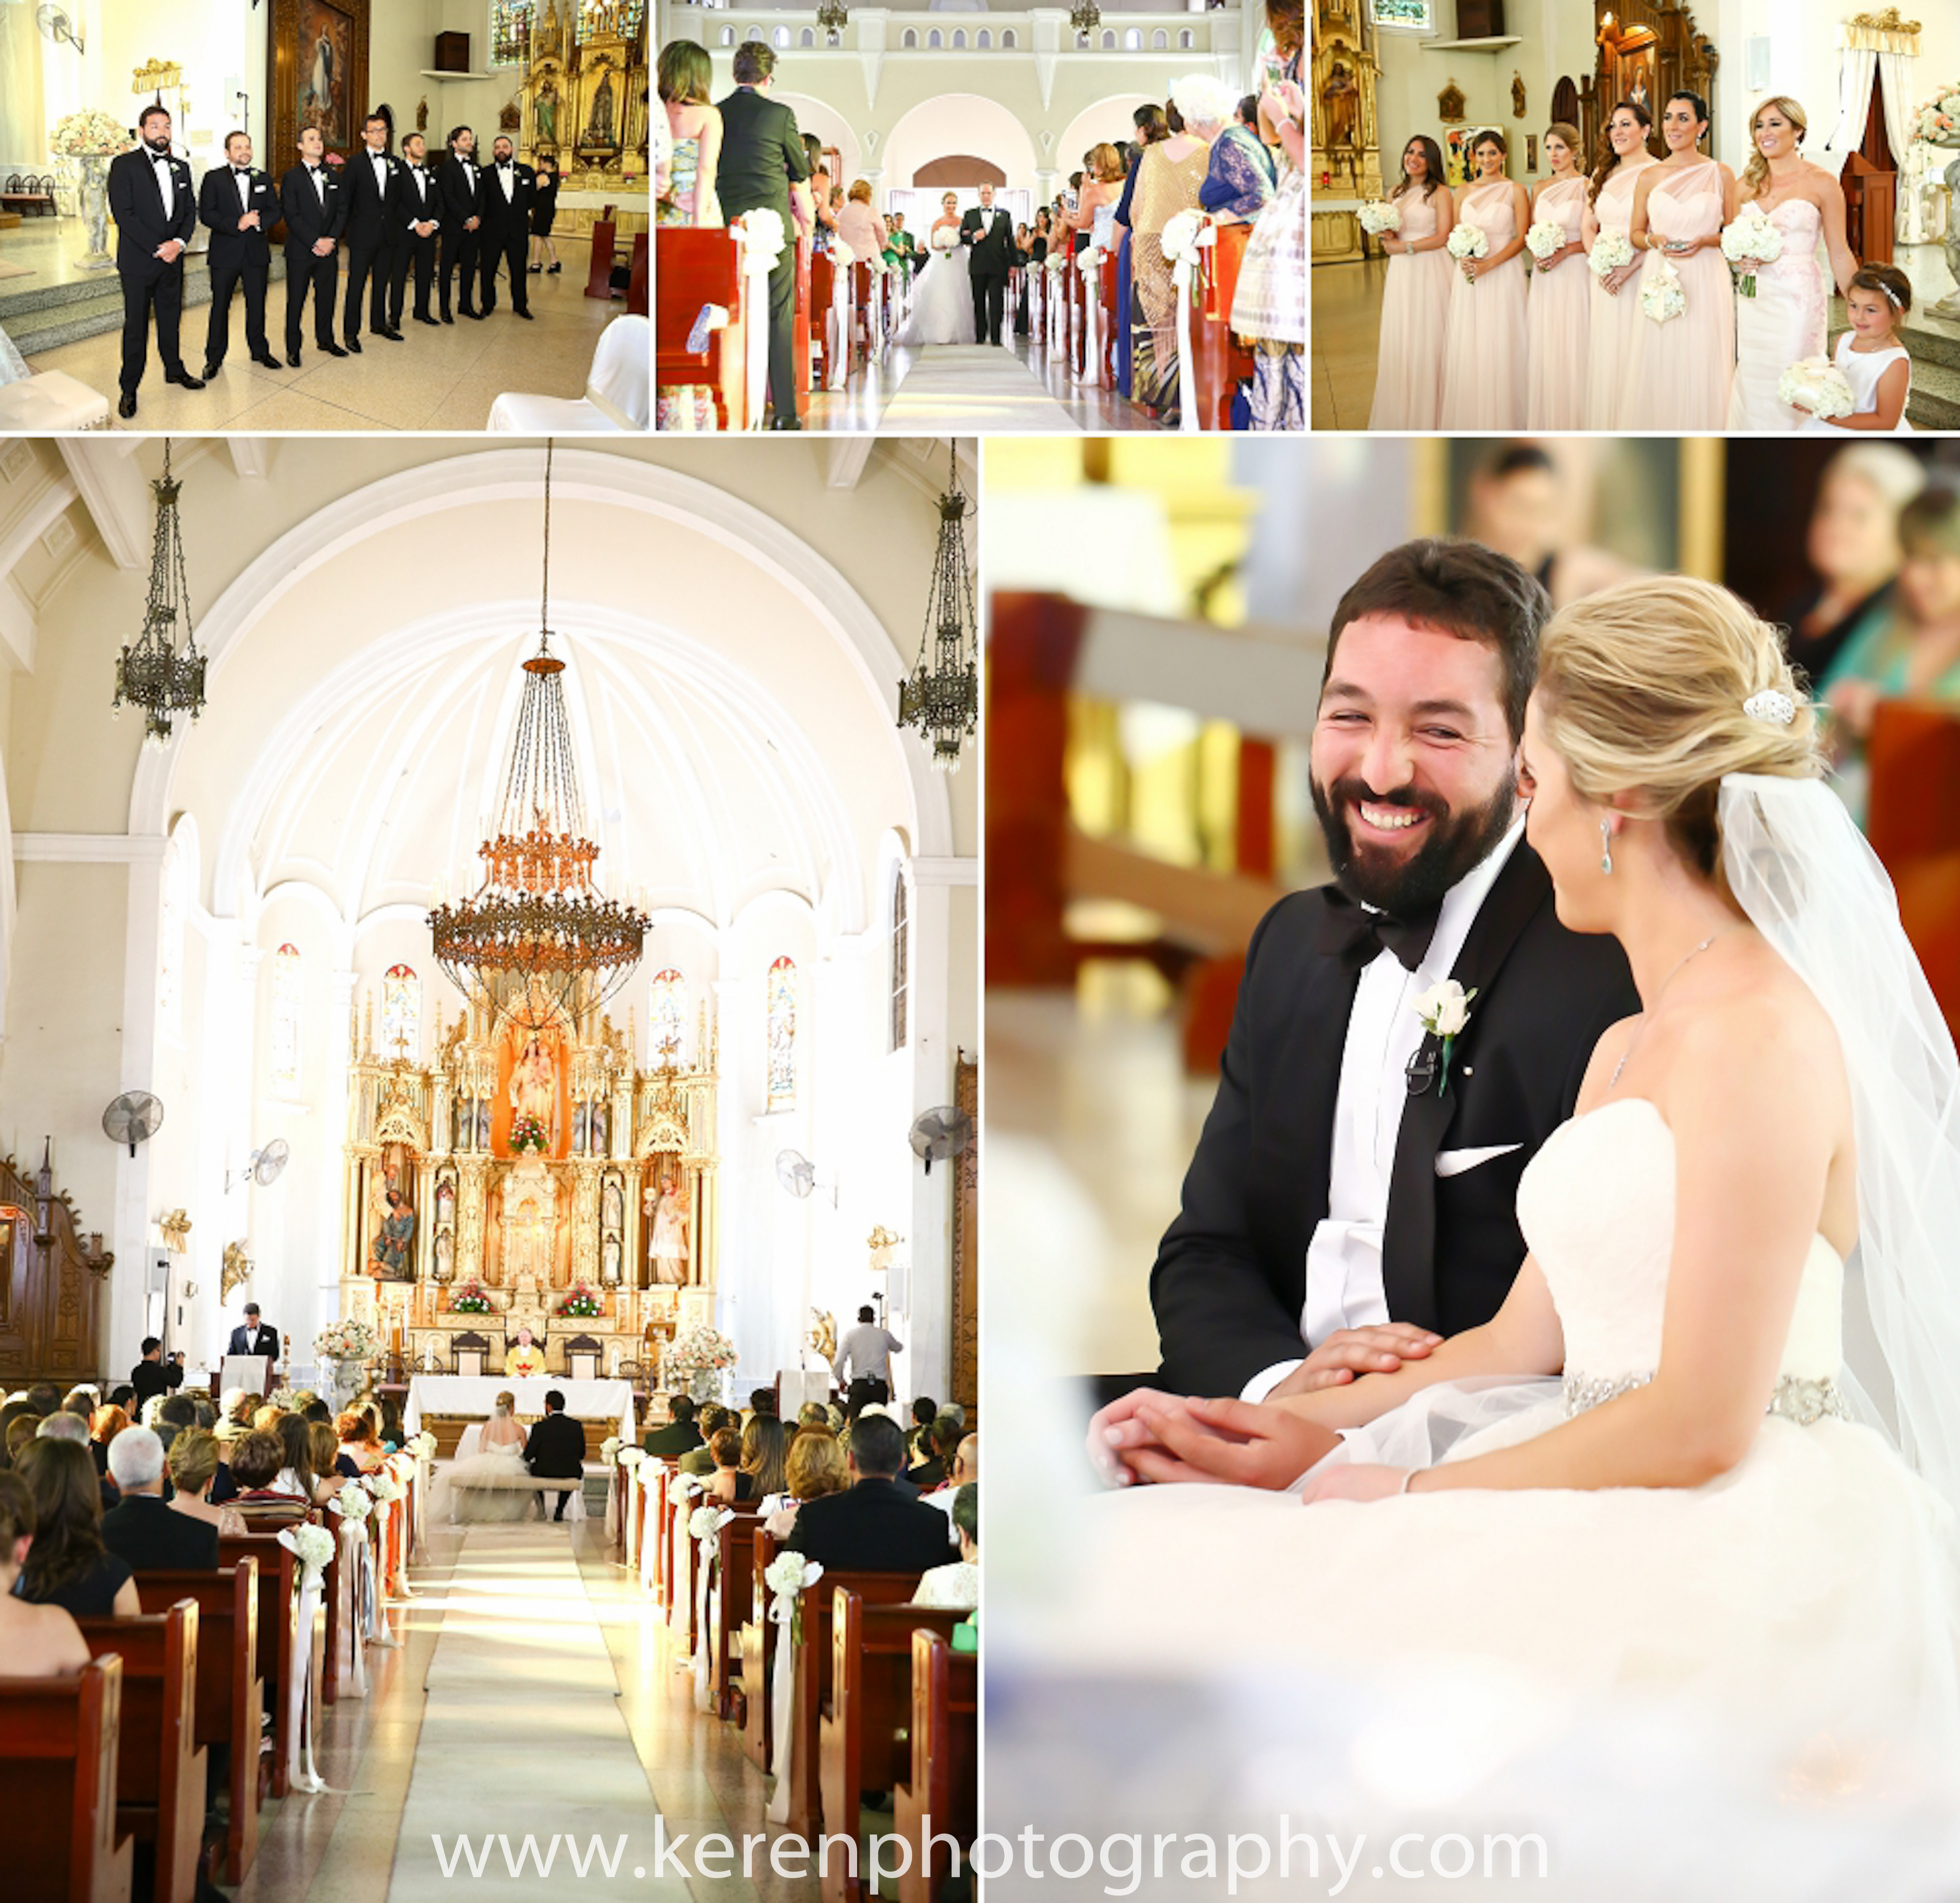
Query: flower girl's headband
[[1892, 296]]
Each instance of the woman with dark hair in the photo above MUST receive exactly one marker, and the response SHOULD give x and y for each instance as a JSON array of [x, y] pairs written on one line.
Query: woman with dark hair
[[544, 214], [765, 1446], [1415, 298], [1682, 365], [67, 1565], [730, 1482], [1616, 306], [1483, 359], [297, 1475]]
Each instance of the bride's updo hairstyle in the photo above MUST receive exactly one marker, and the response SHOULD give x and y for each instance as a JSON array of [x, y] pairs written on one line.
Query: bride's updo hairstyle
[[506, 1402], [1645, 689]]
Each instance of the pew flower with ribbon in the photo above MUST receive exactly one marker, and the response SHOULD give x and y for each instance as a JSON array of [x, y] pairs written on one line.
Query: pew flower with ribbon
[[788, 1577], [627, 1462], [1089, 262], [681, 1490], [704, 1525], [351, 1505], [837, 318], [313, 1546], [405, 1469], [761, 237], [1186, 236]]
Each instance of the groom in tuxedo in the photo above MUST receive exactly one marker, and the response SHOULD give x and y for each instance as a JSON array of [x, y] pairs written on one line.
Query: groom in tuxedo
[[991, 236], [1354, 1195]]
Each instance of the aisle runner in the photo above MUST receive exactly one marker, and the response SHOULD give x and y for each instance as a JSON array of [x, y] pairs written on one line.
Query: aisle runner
[[522, 1733], [955, 389]]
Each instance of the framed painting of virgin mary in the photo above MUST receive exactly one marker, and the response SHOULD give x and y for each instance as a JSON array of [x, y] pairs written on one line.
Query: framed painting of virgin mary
[[315, 74]]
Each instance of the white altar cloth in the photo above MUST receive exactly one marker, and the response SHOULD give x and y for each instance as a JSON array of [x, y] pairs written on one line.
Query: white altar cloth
[[476, 1394]]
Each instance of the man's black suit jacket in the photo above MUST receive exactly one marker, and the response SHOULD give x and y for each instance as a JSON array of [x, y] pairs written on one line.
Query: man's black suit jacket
[[555, 1449], [309, 217], [993, 251], [136, 204], [761, 153], [407, 207], [153, 1537], [876, 1526], [218, 209], [1230, 1278], [508, 217], [670, 1441], [150, 1378], [367, 221], [267, 1343], [461, 186]]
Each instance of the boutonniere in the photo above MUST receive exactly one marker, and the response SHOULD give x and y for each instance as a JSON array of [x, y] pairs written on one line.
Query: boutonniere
[[1444, 1011]]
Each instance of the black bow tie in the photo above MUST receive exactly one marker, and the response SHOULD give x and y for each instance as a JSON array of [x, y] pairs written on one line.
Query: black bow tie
[[313, 171], [503, 165], [1357, 936], [241, 171]]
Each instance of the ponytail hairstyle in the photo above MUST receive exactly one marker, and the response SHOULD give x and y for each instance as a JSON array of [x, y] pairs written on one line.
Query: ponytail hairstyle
[[1609, 159], [1889, 280], [1431, 159], [1756, 173]]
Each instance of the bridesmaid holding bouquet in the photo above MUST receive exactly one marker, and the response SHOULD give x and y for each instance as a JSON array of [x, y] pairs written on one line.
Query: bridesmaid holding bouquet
[[1615, 298], [1415, 302], [1484, 361], [1557, 310]]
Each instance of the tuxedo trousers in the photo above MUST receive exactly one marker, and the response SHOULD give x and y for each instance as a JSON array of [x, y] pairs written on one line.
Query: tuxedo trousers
[[252, 273], [305, 273], [509, 245], [782, 336], [459, 253], [420, 252], [369, 263], [990, 295], [163, 294]]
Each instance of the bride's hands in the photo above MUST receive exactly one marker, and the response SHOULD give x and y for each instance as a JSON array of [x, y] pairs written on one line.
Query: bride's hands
[[1114, 1433], [1234, 1442], [1356, 1481]]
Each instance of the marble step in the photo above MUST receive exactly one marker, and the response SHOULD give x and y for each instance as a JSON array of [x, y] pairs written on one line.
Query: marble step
[[52, 315], [1935, 402]]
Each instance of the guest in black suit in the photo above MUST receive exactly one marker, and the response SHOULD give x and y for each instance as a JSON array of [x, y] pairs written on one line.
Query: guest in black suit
[[371, 235], [462, 181], [680, 1436], [763, 166], [314, 203], [877, 1526], [990, 234], [236, 204], [145, 1530], [153, 1375], [151, 199], [555, 1450], [415, 210], [253, 1337], [507, 191], [1308, 1252]]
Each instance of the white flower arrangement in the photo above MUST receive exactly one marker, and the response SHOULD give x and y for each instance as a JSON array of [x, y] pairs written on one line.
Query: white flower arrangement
[[763, 240], [1937, 120], [401, 1466], [90, 133], [687, 1485], [1662, 297], [424, 1445], [609, 1449], [1611, 251], [1818, 385], [1184, 237], [701, 1350], [704, 1523], [1088, 261], [788, 1577], [312, 1546], [943, 239], [352, 1502], [1467, 241], [385, 1488], [1378, 215], [1055, 261], [631, 1457], [1751, 235], [1545, 237], [842, 256], [1444, 1011], [349, 1340]]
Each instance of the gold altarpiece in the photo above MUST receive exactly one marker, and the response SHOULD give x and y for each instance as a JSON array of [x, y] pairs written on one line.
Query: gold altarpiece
[[614, 1198], [1346, 158], [584, 99]]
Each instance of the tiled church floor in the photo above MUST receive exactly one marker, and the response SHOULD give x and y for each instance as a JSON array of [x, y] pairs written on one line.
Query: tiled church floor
[[1346, 330]]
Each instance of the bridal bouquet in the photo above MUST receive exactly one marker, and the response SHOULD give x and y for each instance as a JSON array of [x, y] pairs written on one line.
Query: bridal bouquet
[[344, 1341], [1818, 385], [470, 1299], [1545, 237], [87, 135], [1661, 294], [1611, 251], [1467, 241], [1378, 215], [1937, 120], [701, 1350], [1751, 236], [943, 239], [527, 1133]]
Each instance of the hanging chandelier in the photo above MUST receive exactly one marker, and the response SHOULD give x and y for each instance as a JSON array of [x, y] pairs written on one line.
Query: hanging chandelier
[[1085, 16], [538, 943], [833, 16], [154, 673], [942, 698]]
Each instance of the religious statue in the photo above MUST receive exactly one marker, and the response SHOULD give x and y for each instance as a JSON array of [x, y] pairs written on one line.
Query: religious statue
[[422, 113], [395, 1241], [608, 1263], [534, 1088], [612, 1207], [445, 1256], [665, 1208], [524, 1360], [599, 127], [445, 1203], [1517, 95], [547, 113], [581, 1124], [1340, 100], [600, 1121]]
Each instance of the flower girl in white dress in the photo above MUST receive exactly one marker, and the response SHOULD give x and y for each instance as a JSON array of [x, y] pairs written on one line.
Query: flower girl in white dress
[[1876, 364]]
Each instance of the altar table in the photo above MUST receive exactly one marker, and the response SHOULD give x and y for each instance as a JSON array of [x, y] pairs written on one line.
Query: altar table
[[455, 1395]]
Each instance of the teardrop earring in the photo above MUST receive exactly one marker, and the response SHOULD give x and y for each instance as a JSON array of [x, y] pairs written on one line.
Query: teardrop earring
[[1606, 847]]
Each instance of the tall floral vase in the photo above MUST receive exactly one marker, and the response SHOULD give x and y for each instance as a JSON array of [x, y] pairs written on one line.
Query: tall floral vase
[[704, 1385], [94, 170]]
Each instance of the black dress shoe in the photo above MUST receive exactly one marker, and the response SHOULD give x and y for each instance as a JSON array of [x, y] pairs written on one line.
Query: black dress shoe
[[466, 311], [292, 360], [269, 362], [526, 316], [334, 350], [393, 335], [211, 371], [446, 317], [127, 407], [353, 345], [434, 323], [479, 315], [183, 379], [787, 422]]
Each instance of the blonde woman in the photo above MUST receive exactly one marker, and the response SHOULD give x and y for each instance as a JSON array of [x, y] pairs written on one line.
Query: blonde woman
[[1557, 310], [1784, 321], [192, 1460], [485, 1489], [1615, 299], [1484, 357]]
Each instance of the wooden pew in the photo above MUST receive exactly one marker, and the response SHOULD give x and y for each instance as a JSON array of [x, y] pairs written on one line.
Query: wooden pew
[[1913, 821], [806, 312], [863, 1741], [283, 1657], [598, 271], [1220, 361], [229, 1691], [1111, 319], [698, 267], [636, 284], [160, 1770], [756, 1646], [58, 1750], [942, 1793], [735, 1560], [810, 1667], [823, 288]]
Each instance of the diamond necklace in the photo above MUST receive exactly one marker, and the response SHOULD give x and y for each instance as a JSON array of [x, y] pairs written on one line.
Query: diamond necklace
[[1633, 1043]]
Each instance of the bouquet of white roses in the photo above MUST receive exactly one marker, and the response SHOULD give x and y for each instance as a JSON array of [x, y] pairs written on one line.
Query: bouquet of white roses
[[1611, 251], [1751, 235], [1818, 385], [787, 1575], [1545, 237], [89, 134], [705, 1522], [1378, 215], [383, 1486], [701, 1350], [631, 1457], [1662, 296], [1182, 235], [349, 1340], [424, 1445], [1467, 241], [944, 238]]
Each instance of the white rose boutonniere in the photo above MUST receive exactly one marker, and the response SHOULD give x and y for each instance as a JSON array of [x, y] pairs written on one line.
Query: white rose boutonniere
[[1444, 1010]]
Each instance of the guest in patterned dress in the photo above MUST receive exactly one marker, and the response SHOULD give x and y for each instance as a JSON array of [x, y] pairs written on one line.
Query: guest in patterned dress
[[686, 74], [1168, 176], [1269, 308]]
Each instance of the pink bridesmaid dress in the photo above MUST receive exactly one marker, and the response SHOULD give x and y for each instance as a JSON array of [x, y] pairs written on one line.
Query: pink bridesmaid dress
[[1782, 324], [1609, 342], [1557, 319], [1483, 364], [1415, 312], [1682, 369]]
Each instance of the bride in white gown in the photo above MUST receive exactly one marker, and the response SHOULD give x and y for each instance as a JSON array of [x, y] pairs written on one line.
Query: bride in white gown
[[460, 1496], [1648, 1480], [942, 311]]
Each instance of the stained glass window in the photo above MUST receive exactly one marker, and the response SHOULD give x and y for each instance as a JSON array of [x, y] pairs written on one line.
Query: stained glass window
[[401, 1012], [611, 19], [287, 995], [510, 23], [782, 1034], [899, 961], [1418, 16], [667, 1014]]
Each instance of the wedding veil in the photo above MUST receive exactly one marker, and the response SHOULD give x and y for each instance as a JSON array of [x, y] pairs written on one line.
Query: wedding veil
[[1800, 868]]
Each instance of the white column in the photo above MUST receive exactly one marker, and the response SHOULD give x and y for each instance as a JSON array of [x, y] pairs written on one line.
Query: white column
[[130, 1227]]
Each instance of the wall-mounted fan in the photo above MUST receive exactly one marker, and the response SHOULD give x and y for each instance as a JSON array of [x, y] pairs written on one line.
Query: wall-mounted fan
[[940, 1133], [134, 1118], [262, 1166], [798, 1174], [56, 25]]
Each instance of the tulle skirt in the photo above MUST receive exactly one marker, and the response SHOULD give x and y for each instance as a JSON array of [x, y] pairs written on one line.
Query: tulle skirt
[[1484, 363], [1415, 316], [481, 1490]]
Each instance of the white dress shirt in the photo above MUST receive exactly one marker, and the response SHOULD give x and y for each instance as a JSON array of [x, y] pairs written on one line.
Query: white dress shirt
[[507, 176], [242, 180], [165, 184], [319, 182], [1344, 1257]]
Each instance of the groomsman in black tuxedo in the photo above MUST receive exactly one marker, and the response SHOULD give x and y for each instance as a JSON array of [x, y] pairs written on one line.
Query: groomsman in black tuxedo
[[462, 182], [150, 198], [1354, 1196], [314, 202], [507, 190], [990, 234], [414, 211], [371, 237], [236, 204]]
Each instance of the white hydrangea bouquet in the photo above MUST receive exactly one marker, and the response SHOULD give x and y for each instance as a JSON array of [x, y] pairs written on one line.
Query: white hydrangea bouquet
[[90, 133], [1818, 385], [1544, 238], [1611, 251], [944, 238], [385, 1488], [609, 1449], [352, 1502], [1185, 234], [842, 256], [1378, 215], [704, 1523], [349, 1340], [311, 1546], [700, 1350], [1937, 120], [787, 1576], [1751, 235], [1467, 241], [423, 1445], [1662, 296], [631, 1457], [765, 237]]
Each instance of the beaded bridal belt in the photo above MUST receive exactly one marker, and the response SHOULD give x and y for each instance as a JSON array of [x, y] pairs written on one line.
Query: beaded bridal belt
[[1796, 1399]]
